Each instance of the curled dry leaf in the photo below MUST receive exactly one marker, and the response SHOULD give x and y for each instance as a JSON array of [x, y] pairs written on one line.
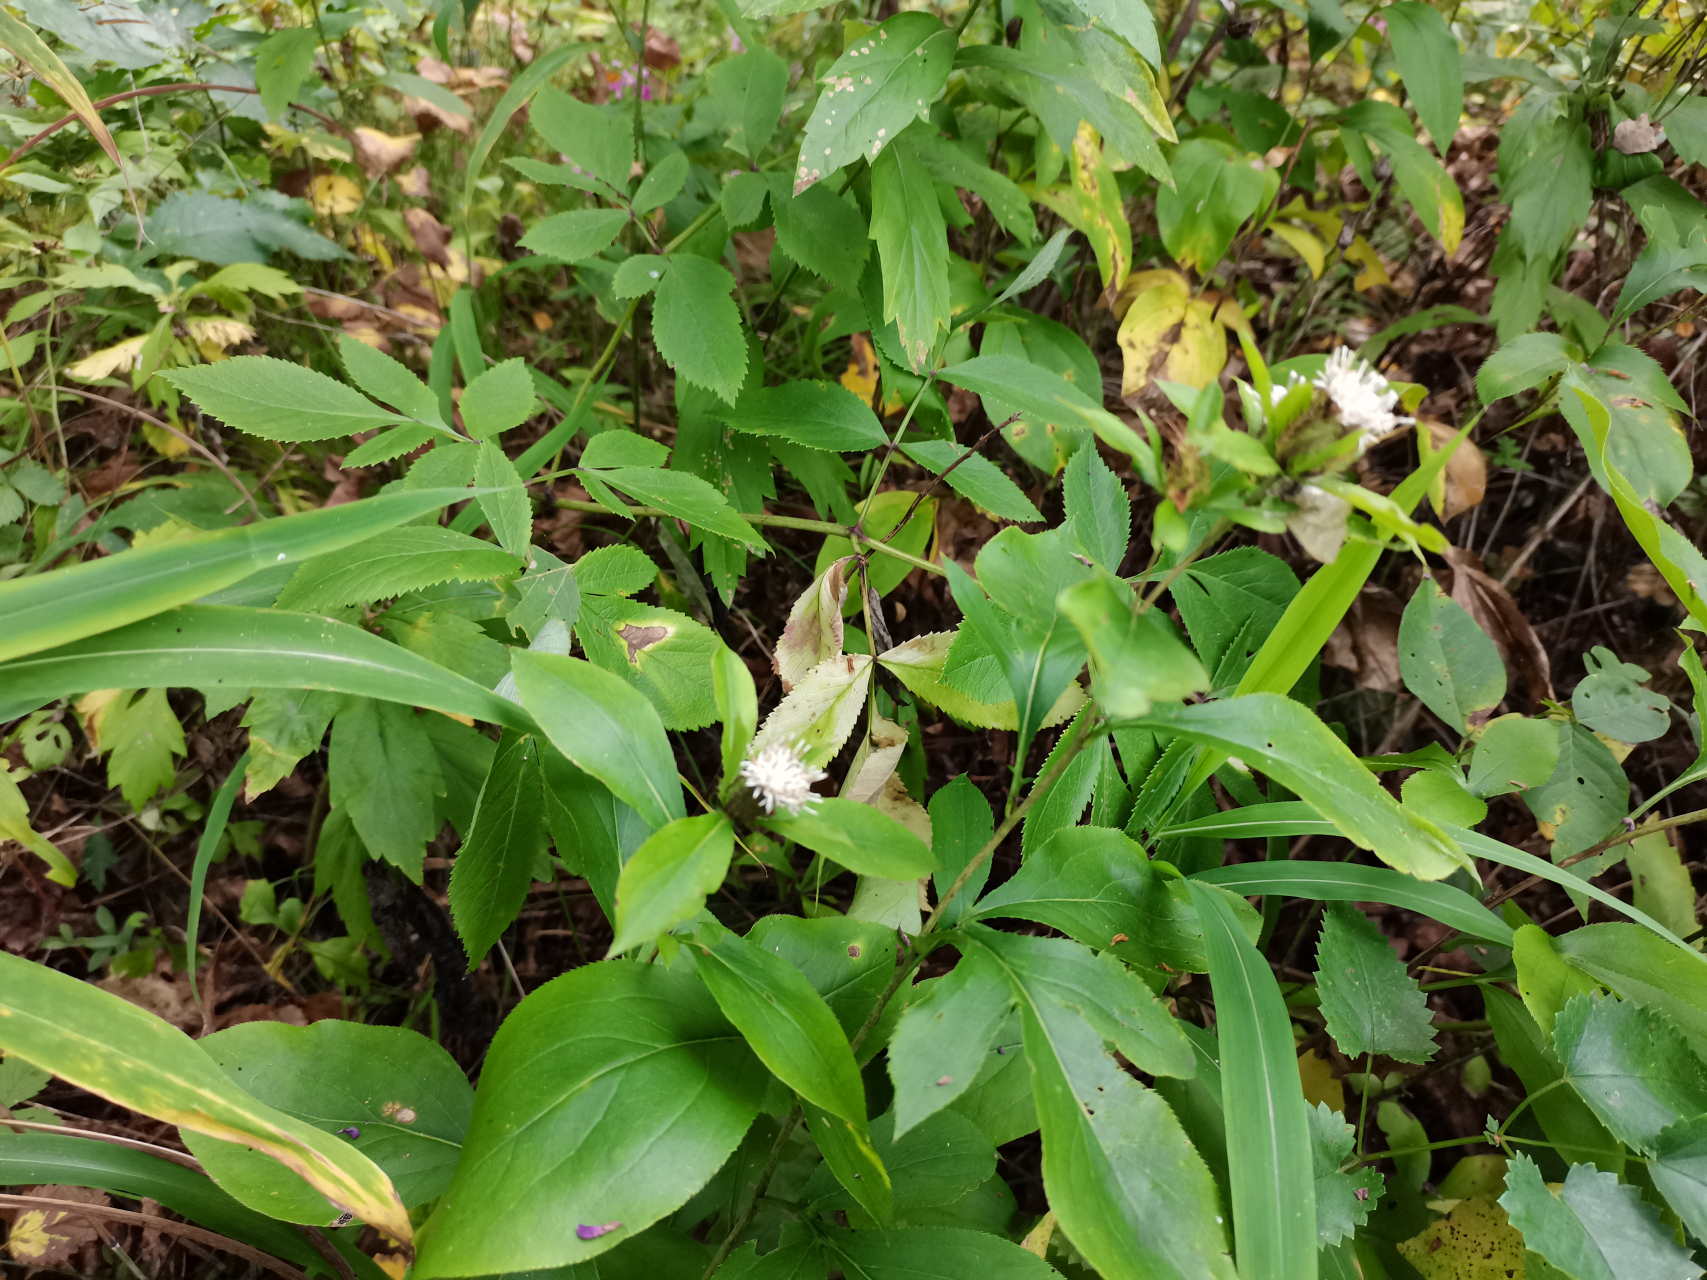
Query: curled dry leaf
[[53, 1238], [1366, 642], [216, 333], [1497, 613], [415, 183], [813, 632], [874, 765], [109, 361], [432, 237], [1463, 482], [662, 51], [379, 153]]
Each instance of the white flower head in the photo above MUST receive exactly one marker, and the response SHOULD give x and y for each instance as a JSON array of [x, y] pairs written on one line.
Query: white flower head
[[1279, 391], [1363, 398], [780, 779]]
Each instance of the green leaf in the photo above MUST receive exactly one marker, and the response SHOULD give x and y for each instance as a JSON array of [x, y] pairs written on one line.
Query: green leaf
[[847, 1151], [142, 732], [404, 1094], [1423, 179], [549, 590], [1595, 1228], [96, 1041], [1587, 795], [1021, 386], [1524, 363], [1427, 54], [490, 877], [98, 595], [943, 1039], [697, 325], [1343, 1200], [1096, 885], [819, 415], [387, 380], [500, 398], [951, 165], [282, 62], [522, 88], [1631, 1065], [737, 706], [254, 649], [934, 1253], [824, 232], [749, 90], [975, 478], [1348, 882], [1565, 1118], [30, 1159], [883, 81], [637, 277], [858, 837], [1136, 660], [15, 825], [506, 507], [594, 140], [278, 400], [607, 727], [961, 825], [1269, 1161], [1513, 754], [1680, 1171], [666, 655], [929, 1166], [1289, 744], [1099, 512], [743, 200], [1447, 660], [391, 563], [668, 878], [1372, 1005], [575, 235], [619, 448], [566, 1112], [1099, 989], [1642, 966], [686, 497], [1230, 603], [785, 1022], [1131, 1193], [848, 962], [384, 771], [1610, 699], [912, 246], [663, 182], [1214, 190], [1545, 982]]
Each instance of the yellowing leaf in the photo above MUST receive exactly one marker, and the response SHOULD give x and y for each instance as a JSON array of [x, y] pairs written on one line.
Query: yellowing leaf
[[1374, 273], [218, 332], [15, 825], [334, 194], [1166, 333], [1473, 1242], [1305, 245], [1320, 1083], [860, 376], [109, 361], [1463, 481], [1102, 216]]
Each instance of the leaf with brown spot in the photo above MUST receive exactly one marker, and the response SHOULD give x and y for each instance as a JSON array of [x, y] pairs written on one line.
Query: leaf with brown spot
[[53, 1237], [814, 628]]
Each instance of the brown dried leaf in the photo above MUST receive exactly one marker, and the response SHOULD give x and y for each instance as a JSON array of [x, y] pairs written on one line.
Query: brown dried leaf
[[432, 237], [1491, 605], [1366, 642], [379, 153], [416, 183], [1463, 482], [49, 1237], [429, 116], [167, 998], [1634, 137], [662, 52]]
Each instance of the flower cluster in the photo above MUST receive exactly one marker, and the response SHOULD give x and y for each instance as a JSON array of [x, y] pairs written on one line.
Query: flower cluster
[[780, 779], [1363, 398]]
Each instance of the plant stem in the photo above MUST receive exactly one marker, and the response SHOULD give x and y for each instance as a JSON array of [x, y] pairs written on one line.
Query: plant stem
[[741, 1223], [883, 467]]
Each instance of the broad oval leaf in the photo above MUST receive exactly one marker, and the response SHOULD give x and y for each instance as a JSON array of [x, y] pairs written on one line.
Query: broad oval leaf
[[391, 563], [697, 325], [785, 1021], [110, 1047], [603, 1068], [1371, 1004], [278, 400], [860, 838], [819, 415], [578, 234], [607, 727], [1427, 54], [667, 879]]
